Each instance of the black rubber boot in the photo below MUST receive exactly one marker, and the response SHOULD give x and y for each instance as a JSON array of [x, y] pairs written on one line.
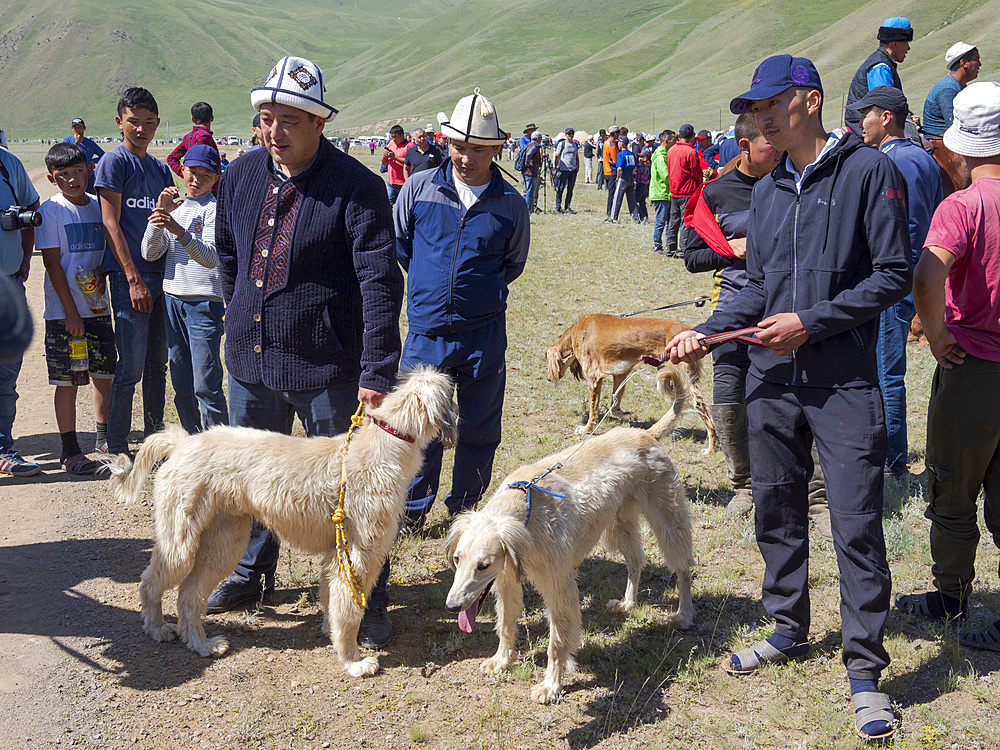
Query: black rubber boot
[[731, 424]]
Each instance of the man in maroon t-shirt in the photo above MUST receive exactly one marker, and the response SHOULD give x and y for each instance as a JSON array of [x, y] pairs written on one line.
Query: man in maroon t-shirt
[[684, 174]]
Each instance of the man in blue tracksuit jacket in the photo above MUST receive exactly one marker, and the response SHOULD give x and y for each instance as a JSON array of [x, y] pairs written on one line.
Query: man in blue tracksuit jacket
[[462, 236], [827, 251]]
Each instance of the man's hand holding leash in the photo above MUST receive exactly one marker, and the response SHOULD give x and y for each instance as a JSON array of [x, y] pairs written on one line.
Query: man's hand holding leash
[[783, 333]]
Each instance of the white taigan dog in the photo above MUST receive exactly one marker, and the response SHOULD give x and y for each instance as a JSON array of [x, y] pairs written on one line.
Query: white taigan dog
[[211, 484], [607, 484]]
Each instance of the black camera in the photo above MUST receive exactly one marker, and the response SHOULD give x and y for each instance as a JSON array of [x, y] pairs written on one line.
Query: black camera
[[18, 217]]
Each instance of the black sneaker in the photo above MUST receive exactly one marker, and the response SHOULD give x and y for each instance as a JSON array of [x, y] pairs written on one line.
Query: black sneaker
[[233, 593], [376, 627]]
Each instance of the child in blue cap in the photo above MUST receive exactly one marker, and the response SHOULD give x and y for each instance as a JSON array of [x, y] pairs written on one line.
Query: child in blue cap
[[185, 232]]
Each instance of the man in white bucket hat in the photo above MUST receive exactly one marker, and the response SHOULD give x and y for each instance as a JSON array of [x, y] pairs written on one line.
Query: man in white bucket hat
[[312, 298], [956, 288], [462, 236]]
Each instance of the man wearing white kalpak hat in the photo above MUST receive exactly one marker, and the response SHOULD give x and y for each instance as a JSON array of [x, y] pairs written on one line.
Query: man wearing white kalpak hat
[[313, 295], [962, 60], [462, 236]]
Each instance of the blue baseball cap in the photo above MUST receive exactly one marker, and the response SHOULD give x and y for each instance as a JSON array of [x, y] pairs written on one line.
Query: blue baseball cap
[[201, 155], [776, 74]]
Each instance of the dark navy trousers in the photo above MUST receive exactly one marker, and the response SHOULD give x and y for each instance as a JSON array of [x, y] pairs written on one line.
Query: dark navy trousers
[[848, 427], [476, 361]]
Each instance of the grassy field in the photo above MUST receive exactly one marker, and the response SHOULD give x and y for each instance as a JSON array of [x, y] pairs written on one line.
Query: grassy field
[[639, 683], [650, 65]]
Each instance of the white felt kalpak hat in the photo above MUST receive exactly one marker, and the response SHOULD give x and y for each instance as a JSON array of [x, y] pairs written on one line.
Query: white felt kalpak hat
[[975, 127], [296, 82], [475, 121]]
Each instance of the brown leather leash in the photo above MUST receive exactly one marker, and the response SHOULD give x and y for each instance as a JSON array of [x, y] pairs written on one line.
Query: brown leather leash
[[745, 335]]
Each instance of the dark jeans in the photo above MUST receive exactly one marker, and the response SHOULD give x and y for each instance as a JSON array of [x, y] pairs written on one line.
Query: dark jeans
[[676, 233], [963, 456], [531, 191], [141, 340], [848, 428], [641, 191], [565, 180], [323, 411], [730, 364], [9, 370], [393, 192], [894, 327], [476, 362], [194, 335], [661, 210]]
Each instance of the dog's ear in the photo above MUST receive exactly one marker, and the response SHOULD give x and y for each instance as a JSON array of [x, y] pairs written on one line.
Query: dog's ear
[[515, 539], [457, 529]]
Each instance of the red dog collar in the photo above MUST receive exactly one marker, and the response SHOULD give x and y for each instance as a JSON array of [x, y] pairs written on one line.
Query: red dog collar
[[393, 432]]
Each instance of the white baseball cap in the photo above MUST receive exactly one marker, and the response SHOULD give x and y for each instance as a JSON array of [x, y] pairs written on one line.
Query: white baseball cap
[[956, 52], [975, 127]]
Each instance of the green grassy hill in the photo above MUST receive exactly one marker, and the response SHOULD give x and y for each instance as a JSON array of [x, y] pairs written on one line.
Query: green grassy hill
[[648, 63]]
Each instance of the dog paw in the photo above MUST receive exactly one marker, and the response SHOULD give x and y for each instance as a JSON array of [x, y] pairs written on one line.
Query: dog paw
[[682, 620], [165, 632], [363, 668], [618, 605], [217, 646], [582, 429], [543, 692], [494, 665], [706, 451]]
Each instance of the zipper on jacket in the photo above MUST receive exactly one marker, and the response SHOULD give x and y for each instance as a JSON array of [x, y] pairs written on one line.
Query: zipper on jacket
[[451, 280], [795, 274]]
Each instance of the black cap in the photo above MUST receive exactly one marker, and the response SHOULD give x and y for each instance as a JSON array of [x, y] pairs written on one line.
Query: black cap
[[704, 134], [686, 131], [883, 97]]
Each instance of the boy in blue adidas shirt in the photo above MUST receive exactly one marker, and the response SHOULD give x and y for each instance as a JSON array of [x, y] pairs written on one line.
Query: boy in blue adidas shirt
[[129, 182]]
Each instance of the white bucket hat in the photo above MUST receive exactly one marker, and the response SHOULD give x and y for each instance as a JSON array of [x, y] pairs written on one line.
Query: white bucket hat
[[956, 51], [475, 121], [296, 82], [975, 127]]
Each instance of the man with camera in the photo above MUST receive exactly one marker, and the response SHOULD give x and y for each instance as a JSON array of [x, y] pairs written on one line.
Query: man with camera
[[18, 219]]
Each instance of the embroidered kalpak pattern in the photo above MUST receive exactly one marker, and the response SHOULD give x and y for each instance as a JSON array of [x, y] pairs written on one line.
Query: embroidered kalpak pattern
[[273, 238], [303, 77]]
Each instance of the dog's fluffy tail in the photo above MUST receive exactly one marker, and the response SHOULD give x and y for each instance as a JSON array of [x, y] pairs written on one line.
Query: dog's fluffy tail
[[674, 382], [127, 477]]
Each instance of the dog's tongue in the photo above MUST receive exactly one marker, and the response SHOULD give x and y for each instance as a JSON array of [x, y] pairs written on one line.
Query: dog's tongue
[[467, 617]]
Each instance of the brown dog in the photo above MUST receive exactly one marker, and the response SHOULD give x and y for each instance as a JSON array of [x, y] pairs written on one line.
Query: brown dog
[[597, 346]]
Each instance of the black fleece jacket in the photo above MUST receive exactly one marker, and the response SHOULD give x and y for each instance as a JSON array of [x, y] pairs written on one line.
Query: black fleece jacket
[[836, 252]]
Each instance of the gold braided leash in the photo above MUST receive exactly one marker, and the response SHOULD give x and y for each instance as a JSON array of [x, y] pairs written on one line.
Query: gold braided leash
[[343, 556]]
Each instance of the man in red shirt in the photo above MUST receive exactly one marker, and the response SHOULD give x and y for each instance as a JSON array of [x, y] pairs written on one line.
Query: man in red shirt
[[684, 174], [202, 116], [394, 156], [956, 289]]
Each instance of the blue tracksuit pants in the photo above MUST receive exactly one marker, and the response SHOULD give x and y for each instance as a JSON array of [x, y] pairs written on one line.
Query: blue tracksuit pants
[[476, 362], [848, 427]]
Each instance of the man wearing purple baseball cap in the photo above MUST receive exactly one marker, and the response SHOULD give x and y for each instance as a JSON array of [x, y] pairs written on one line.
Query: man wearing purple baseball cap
[[827, 251]]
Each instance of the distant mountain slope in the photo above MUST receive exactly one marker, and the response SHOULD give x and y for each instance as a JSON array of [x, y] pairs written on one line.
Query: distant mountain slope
[[649, 63]]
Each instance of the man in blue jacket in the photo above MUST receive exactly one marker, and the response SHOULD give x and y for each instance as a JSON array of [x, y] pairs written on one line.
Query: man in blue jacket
[[827, 251], [462, 237], [883, 114]]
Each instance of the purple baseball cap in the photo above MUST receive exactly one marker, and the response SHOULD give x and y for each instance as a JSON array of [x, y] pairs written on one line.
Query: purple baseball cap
[[776, 74]]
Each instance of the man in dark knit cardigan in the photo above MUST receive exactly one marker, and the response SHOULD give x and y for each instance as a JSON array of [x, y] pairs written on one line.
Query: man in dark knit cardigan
[[307, 258]]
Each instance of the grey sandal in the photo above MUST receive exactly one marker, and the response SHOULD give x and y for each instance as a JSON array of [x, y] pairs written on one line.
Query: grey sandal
[[755, 657], [869, 707], [987, 638]]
